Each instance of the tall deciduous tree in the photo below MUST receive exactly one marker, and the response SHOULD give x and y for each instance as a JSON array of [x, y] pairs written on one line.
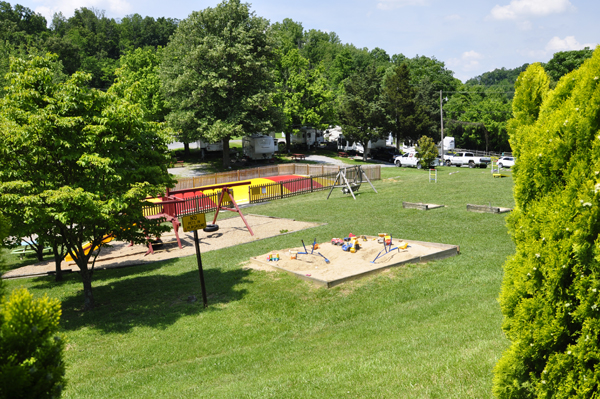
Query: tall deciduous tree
[[80, 160], [477, 118], [138, 81], [217, 75], [405, 117], [303, 94], [360, 110], [564, 62]]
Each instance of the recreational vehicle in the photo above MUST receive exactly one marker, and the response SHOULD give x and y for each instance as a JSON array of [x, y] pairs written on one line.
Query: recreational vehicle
[[259, 146]]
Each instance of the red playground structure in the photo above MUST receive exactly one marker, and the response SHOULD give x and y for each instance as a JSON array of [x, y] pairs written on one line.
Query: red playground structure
[[176, 204]]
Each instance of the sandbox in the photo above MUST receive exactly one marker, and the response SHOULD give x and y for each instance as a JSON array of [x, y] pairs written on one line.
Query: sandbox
[[345, 266]]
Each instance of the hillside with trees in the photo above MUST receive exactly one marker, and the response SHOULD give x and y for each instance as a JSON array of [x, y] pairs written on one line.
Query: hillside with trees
[[308, 73]]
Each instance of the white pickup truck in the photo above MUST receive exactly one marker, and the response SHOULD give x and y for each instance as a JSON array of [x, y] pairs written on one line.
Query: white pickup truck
[[467, 159], [411, 159]]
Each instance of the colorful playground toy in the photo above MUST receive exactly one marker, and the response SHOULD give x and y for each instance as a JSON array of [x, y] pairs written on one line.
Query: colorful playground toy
[[387, 247], [312, 251]]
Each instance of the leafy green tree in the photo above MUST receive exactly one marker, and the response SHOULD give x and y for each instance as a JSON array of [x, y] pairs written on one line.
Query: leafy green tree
[[430, 76], [288, 34], [477, 118], [138, 80], [217, 75], [564, 62], [4, 229], [499, 77], [140, 32], [405, 116], [31, 349], [303, 94], [550, 295], [360, 109], [81, 160], [97, 39], [22, 32], [319, 46], [426, 151]]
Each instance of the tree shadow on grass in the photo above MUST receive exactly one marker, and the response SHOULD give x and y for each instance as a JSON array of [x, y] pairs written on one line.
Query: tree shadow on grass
[[126, 298]]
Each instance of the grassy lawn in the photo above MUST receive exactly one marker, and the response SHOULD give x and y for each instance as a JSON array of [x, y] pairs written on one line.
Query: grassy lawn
[[421, 331]]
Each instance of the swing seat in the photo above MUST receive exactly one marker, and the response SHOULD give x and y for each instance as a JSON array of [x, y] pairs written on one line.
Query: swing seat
[[353, 186]]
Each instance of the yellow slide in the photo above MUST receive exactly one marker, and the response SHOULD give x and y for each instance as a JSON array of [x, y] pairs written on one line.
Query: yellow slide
[[86, 247]]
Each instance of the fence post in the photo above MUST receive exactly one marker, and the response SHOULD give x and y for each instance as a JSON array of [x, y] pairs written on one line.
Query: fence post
[[281, 189], [311, 184]]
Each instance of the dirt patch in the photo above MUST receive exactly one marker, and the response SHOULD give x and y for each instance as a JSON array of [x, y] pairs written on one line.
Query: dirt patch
[[231, 232], [344, 266]]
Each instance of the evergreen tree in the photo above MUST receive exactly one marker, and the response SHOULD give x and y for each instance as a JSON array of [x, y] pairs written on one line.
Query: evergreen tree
[[550, 294], [405, 117]]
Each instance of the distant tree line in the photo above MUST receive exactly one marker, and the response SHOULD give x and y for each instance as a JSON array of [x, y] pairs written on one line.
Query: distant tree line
[[310, 77]]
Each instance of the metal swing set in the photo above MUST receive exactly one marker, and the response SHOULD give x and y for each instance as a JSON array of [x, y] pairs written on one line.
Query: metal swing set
[[349, 186]]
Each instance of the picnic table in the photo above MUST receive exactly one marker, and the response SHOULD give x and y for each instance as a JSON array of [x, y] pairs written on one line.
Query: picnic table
[[298, 156], [343, 154]]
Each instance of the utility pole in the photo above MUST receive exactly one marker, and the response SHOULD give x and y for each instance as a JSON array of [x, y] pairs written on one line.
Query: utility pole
[[442, 125]]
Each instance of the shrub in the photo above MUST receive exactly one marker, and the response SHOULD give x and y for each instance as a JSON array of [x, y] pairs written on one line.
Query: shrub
[[426, 151], [31, 351], [550, 294]]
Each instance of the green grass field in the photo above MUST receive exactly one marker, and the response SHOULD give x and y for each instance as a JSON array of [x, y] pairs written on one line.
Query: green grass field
[[420, 331]]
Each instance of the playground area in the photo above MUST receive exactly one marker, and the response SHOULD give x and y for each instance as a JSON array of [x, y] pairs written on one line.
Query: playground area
[[231, 232], [329, 265]]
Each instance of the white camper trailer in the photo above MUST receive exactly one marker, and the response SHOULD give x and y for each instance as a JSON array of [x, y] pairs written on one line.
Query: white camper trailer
[[307, 136], [449, 143], [209, 147], [332, 134], [381, 143], [259, 146], [345, 145]]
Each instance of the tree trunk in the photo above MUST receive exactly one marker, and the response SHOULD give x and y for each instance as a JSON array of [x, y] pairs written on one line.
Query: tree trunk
[[58, 258], [288, 137], [186, 148], [86, 276], [365, 151], [88, 296], [226, 161], [39, 250]]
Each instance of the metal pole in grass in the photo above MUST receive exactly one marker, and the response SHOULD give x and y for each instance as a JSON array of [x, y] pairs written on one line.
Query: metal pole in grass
[[193, 223], [199, 257]]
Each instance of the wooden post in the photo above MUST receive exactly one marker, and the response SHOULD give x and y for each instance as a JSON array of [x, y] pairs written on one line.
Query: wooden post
[[281, 189]]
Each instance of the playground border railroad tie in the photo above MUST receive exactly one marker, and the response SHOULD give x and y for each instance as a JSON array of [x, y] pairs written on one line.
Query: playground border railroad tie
[[421, 206], [487, 209]]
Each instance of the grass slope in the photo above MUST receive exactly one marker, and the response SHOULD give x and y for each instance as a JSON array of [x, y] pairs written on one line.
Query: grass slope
[[420, 331]]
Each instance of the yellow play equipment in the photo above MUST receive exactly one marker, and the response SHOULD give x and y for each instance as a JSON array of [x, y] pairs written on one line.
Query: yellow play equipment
[[87, 246]]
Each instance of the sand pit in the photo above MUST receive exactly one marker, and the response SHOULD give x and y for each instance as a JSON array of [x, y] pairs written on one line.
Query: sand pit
[[344, 266], [231, 232]]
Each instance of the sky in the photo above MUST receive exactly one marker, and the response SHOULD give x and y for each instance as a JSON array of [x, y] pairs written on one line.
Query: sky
[[470, 36]]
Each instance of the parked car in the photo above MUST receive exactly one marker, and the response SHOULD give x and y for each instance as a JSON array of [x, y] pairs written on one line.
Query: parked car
[[506, 162]]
